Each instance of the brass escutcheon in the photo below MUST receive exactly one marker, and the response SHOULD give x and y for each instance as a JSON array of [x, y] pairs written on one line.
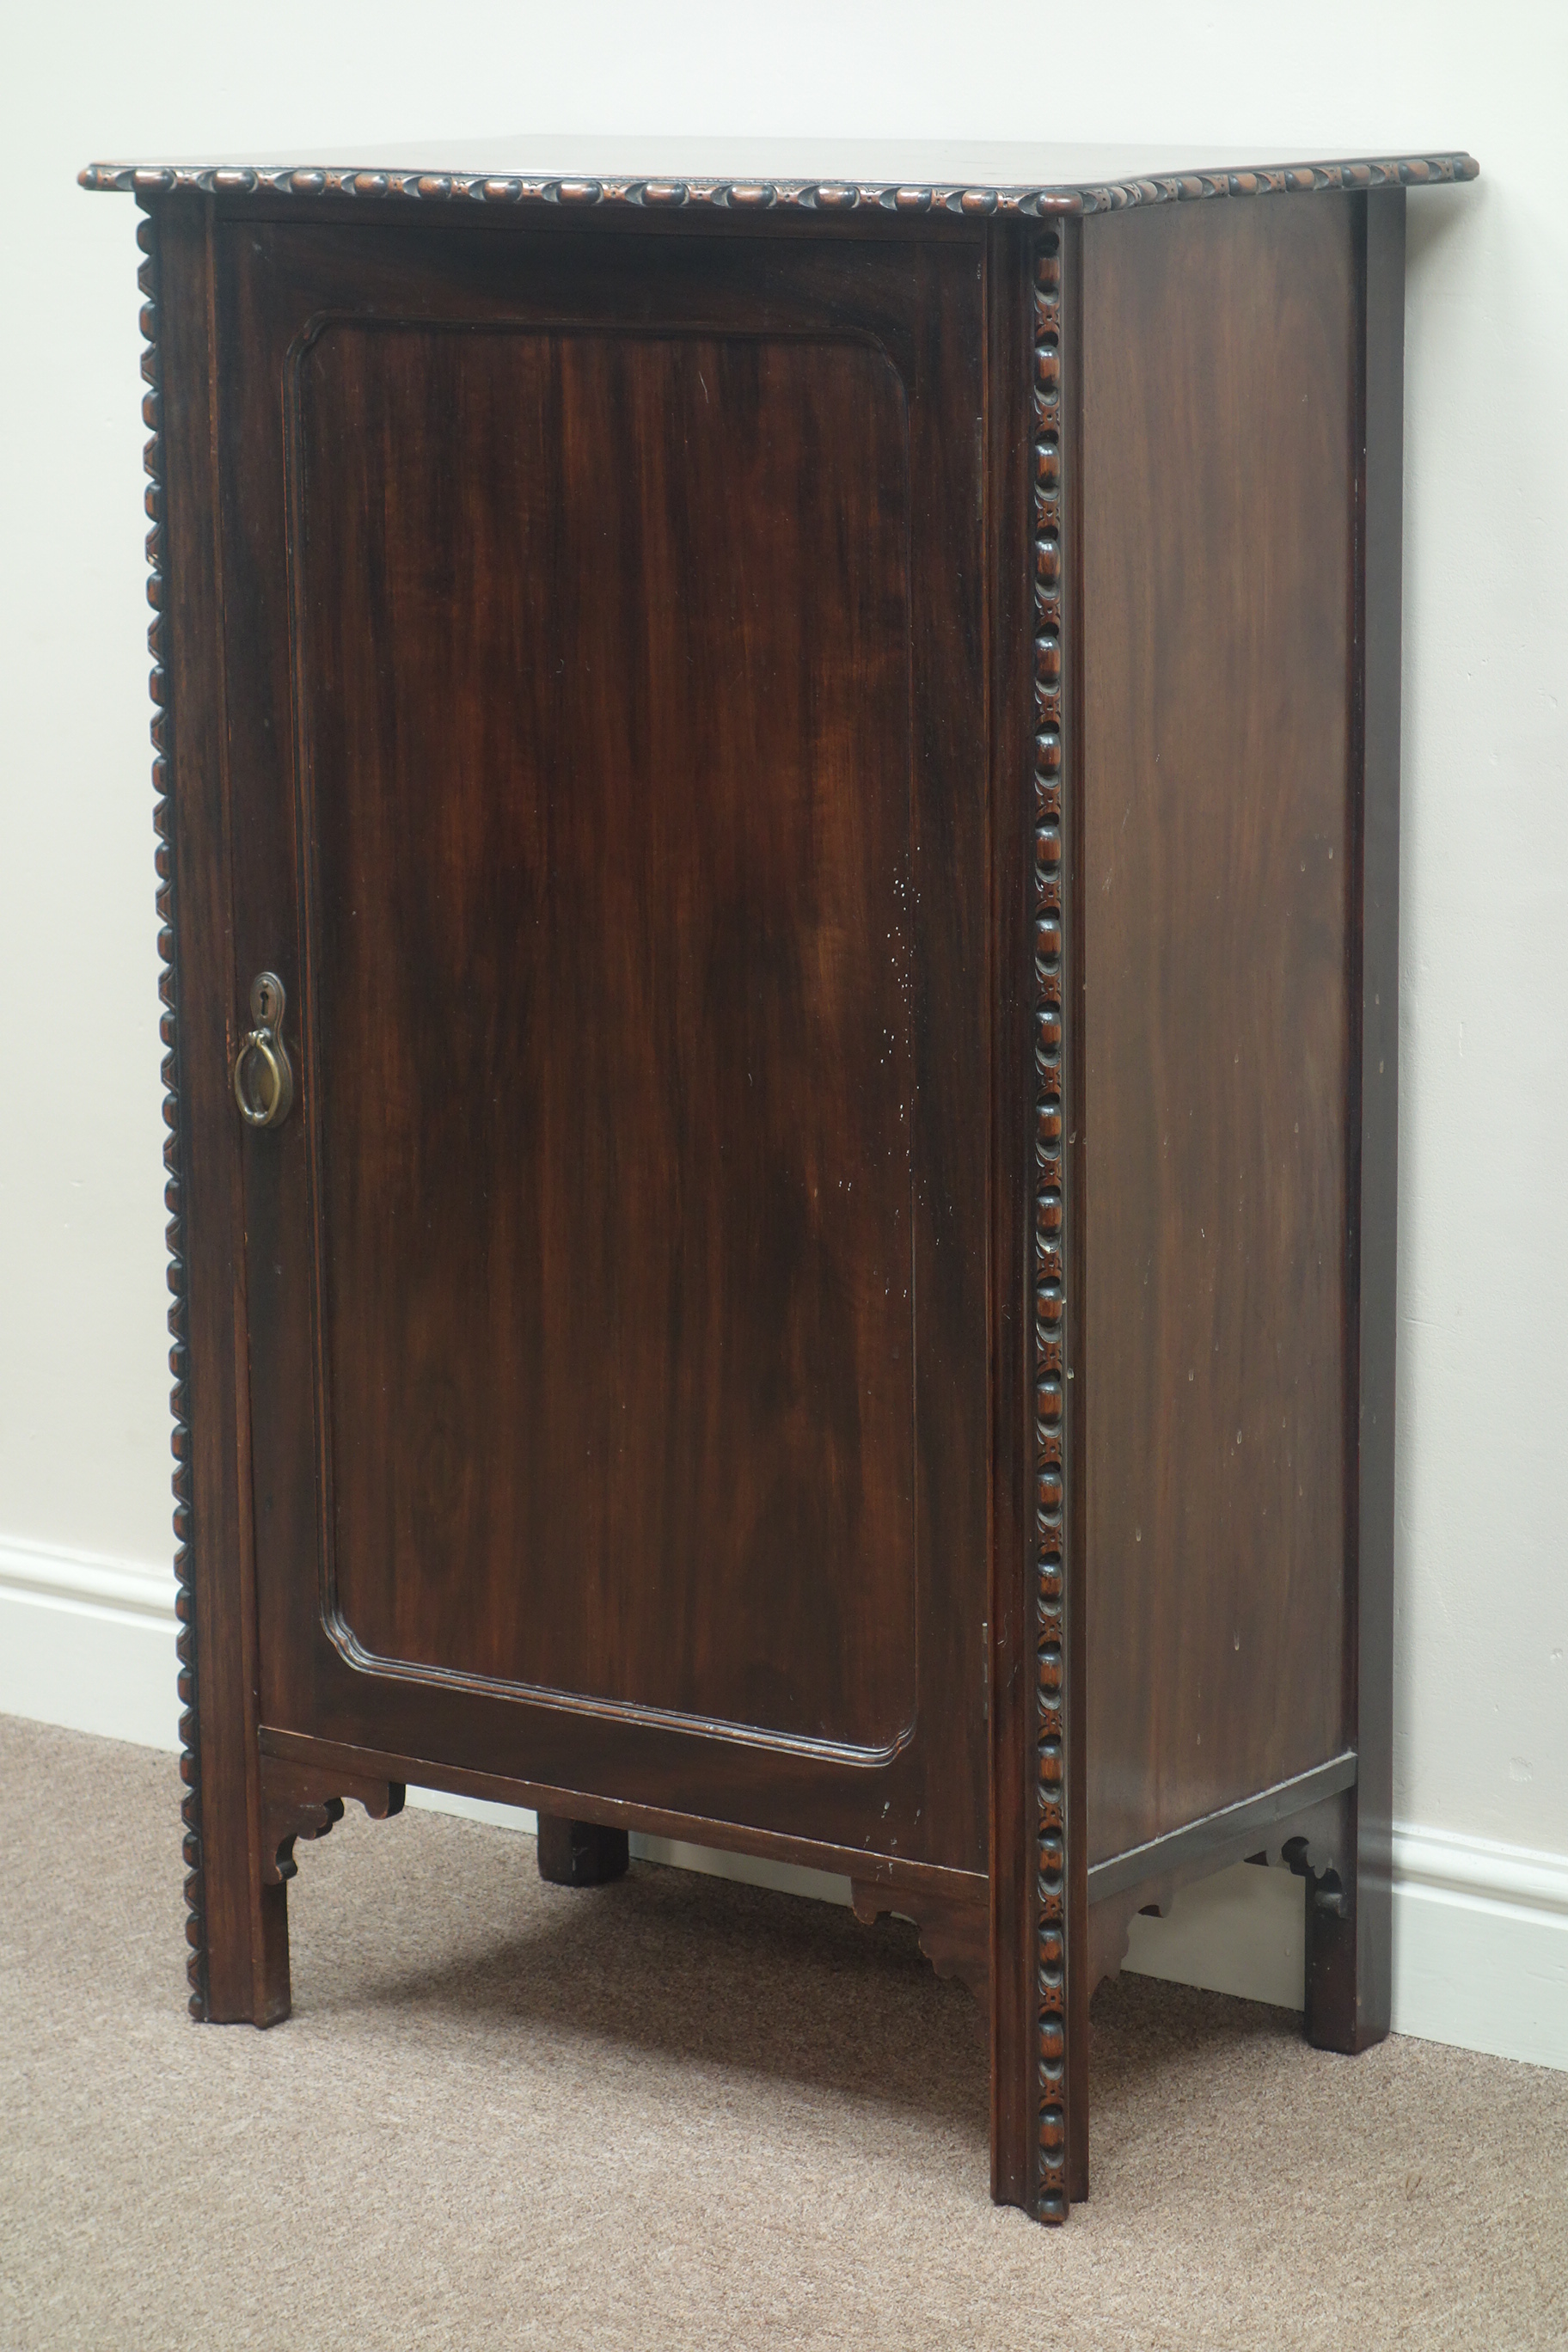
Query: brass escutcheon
[[265, 1041]]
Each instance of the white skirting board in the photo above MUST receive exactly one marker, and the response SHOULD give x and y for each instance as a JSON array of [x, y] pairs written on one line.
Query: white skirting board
[[1480, 1930]]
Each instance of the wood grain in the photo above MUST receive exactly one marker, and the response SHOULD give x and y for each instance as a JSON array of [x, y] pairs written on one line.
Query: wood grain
[[1218, 599], [631, 883], [238, 1927], [610, 797], [820, 774]]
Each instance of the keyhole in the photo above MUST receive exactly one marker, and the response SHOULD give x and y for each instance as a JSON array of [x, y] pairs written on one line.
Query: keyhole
[[266, 1000]]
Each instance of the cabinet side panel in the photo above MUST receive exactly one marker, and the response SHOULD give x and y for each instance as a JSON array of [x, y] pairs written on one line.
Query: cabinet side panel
[[1220, 357], [1349, 1955]]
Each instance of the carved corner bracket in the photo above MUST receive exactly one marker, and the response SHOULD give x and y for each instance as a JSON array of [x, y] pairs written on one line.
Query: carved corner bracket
[[301, 1801], [955, 1937], [1111, 1926], [1325, 1887], [1313, 1845]]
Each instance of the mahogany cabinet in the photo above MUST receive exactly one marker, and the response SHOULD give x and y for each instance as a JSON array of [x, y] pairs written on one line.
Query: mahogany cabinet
[[779, 834]]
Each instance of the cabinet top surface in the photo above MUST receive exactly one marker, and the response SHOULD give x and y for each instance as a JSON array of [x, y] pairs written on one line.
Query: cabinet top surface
[[830, 176]]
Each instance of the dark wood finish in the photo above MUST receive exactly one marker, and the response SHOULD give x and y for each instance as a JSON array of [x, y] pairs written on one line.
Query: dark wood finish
[[1231, 1835], [1307, 1825], [1110, 1921], [1220, 948], [743, 1533], [1040, 1754], [581, 1853], [690, 1829], [1349, 1949], [956, 1936], [625, 1047], [1053, 1209], [760, 192], [1011, 1683], [237, 1926], [302, 1801], [299, 1800], [786, 755], [173, 1190], [1074, 973]]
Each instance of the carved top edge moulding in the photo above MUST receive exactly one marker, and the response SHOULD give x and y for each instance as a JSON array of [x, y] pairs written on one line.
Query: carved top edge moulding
[[789, 175]]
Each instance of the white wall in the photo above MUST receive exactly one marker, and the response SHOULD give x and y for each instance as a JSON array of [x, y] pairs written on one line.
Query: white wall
[[1482, 1701]]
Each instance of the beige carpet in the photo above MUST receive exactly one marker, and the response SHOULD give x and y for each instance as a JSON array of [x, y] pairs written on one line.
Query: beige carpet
[[677, 2112]]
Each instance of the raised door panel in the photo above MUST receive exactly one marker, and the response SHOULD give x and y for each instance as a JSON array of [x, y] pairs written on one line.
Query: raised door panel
[[610, 792], [607, 733]]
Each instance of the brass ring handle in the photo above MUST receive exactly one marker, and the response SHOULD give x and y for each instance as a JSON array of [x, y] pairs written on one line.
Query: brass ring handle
[[267, 1003]]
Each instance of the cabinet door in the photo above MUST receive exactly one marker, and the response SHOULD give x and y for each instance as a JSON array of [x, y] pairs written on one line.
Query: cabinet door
[[604, 643]]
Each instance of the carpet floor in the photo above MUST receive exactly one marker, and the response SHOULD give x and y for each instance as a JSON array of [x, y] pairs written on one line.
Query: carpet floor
[[679, 2112]]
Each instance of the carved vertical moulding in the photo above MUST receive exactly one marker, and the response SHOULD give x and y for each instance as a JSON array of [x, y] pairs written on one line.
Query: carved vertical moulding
[[1047, 1566], [190, 1760]]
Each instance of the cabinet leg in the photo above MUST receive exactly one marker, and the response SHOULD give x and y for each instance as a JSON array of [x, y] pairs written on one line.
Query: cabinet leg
[[238, 1923], [242, 1881], [247, 1965], [1350, 1947], [580, 1854]]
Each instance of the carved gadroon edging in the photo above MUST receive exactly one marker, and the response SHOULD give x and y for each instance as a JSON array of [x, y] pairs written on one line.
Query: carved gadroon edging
[[762, 195], [1047, 1563], [158, 687]]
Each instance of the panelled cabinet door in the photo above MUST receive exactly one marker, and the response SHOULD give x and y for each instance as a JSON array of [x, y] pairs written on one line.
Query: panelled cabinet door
[[606, 671]]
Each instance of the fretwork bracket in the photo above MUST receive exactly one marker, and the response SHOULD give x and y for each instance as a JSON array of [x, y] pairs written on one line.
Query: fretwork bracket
[[298, 1800]]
